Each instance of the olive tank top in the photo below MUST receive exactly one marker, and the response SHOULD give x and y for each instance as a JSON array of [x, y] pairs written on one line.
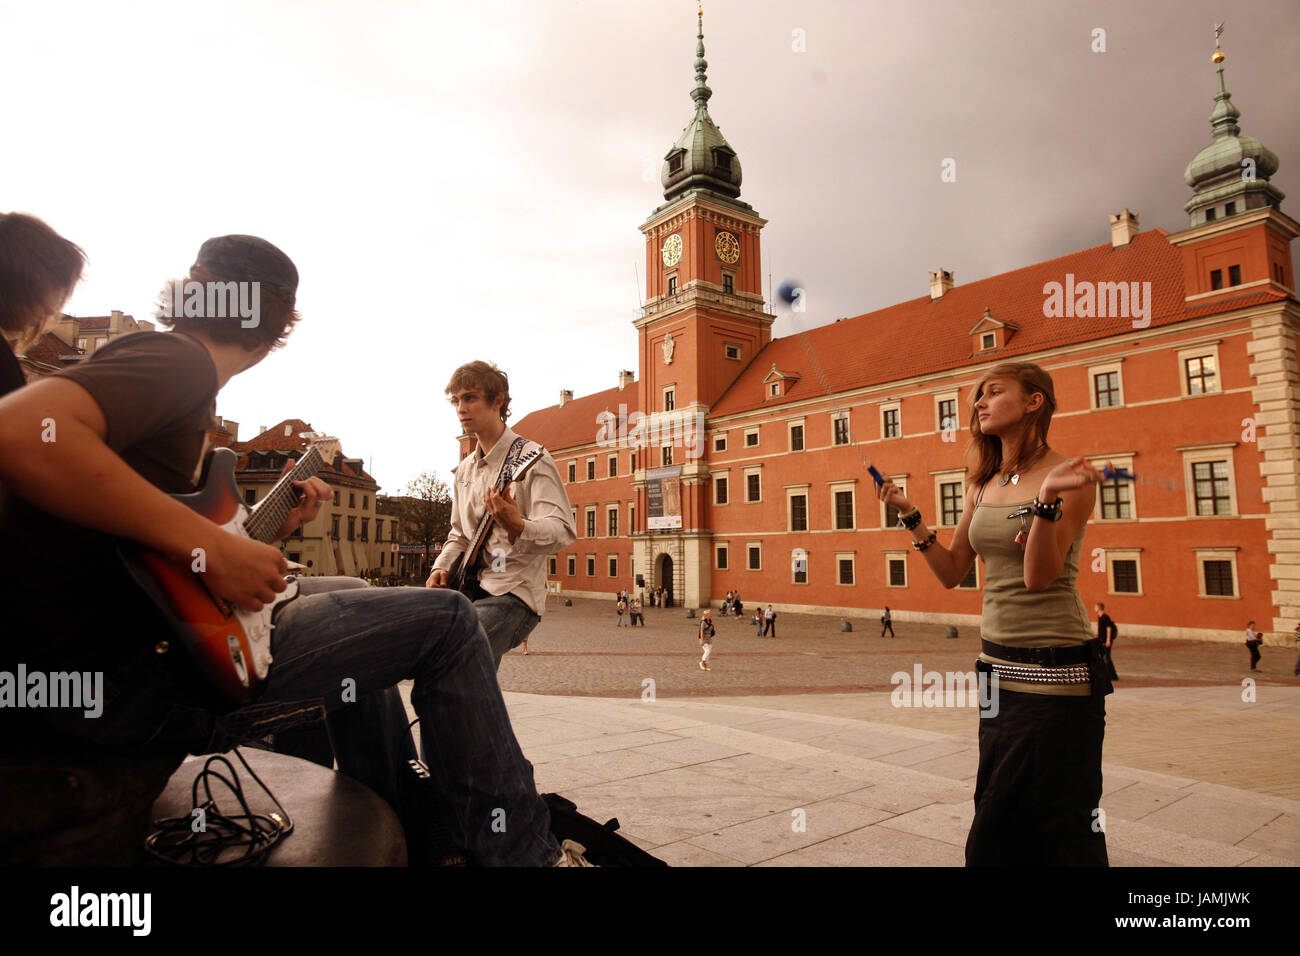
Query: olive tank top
[[1012, 614]]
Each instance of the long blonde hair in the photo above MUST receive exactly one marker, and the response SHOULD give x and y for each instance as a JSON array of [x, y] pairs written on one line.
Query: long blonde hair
[[985, 451]]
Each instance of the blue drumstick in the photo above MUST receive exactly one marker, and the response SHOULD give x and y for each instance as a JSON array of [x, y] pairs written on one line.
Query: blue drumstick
[[879, 478]]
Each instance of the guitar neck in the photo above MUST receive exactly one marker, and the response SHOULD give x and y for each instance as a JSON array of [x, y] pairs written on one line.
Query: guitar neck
[[268, 514]]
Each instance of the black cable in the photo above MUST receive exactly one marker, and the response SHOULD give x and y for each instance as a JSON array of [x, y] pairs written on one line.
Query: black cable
[[176, 841]]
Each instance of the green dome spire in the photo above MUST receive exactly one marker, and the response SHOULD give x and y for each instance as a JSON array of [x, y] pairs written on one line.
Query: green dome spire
[[1229, 176], [701, 160]]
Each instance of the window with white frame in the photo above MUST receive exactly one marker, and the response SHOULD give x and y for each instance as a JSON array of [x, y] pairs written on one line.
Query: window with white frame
[[753, 485], [611, 520], [573, 565], [591, 565], [666, 455], [896, 569], [891, 425], [754, 555], [591, 469], [1115, 498], [950, 503], [591, 522], [1198, 370], [751, 437], [720, 490], [1105, 385], [840, 428], [1123, 570], [573, 472], [795, 430], [670, 397], [796, 507], [1209, 479], [613, 565], [719, 442], [732, 351], [721, 557], [846, 568], [945, 412], [1217, 572], [843, 506], [798, 566]]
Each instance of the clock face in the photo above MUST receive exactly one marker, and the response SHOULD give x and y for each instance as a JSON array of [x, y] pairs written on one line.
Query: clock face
[[727, 247], [672, 250]]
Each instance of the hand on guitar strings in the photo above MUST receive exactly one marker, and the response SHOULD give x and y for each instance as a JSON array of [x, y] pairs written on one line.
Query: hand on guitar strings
[[313, 493], [505, 511]]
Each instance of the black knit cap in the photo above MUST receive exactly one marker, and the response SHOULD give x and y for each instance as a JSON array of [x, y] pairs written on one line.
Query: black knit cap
[[250, 259]]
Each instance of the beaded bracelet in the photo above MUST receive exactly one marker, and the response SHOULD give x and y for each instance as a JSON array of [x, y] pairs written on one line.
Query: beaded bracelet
[[911, 519], [922, 545]]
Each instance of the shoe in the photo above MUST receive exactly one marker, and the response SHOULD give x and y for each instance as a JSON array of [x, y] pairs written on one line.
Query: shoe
[[571, 854], [702, 667]]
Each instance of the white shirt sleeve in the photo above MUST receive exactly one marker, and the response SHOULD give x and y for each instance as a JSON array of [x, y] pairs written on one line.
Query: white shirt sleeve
[[457, 541], [548, 526]]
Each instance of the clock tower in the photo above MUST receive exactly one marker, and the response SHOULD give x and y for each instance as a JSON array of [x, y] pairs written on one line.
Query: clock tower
[[703, 321]]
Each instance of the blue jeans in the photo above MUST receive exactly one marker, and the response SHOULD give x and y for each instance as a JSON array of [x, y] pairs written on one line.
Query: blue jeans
[[349, 648], [507, 621]]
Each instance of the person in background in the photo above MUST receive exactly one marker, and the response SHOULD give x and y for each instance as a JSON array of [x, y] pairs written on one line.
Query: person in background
[[635, 611], [1106, 633], [707, 631], [886, 623], [1253, 640], [621, 607], [38, 271], [769, 622]]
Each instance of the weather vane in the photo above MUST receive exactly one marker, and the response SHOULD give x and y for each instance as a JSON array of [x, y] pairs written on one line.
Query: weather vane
[[1218, 54]]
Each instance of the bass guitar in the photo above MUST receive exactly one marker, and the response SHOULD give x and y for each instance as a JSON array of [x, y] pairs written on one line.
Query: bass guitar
[[230, 646]]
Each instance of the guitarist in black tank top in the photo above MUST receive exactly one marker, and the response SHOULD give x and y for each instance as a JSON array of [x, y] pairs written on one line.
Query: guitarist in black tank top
[[501, 534]]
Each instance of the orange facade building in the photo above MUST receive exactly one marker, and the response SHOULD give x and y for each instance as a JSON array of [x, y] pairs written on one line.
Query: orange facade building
[[1173, 354]]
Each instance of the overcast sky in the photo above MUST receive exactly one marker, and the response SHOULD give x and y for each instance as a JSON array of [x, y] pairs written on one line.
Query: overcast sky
[[465, 180]]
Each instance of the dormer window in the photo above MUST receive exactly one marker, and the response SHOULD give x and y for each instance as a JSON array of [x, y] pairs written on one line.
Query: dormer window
[[988, 340], [722, 159], [774, 389], [675, 162], [1209, 214], [1230, 209]]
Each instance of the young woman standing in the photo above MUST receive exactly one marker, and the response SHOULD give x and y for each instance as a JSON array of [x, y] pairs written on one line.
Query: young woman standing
[[1039, 780]]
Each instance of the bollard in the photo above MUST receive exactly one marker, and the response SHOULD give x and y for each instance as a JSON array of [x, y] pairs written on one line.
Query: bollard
[[568, 603], [690, 612], [846, 625], [952, 633]]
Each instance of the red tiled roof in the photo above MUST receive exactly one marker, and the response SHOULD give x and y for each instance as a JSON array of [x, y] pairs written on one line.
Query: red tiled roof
[[274, 438], [50, 349], [94, 323], [924, 336], [575, 423]]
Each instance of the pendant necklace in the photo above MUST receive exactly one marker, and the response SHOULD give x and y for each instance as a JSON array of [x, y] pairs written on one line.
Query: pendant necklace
[[1003, 479]]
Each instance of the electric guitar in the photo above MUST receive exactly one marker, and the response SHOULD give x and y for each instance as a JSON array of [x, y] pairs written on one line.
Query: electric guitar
[[464, 573], [230, 646]]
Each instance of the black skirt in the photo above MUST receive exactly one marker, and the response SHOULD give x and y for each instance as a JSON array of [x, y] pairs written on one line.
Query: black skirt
[[1038, 788]]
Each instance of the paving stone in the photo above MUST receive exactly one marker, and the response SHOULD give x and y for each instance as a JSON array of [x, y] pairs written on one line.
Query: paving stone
[[1218, 820], [778, 777], [613, 765], [1135, 801], [686, 853], [1279, 838], [689, 751], [946, 822], [1168, 847], [606, 742], [962, 765], [776, 834], [557, 778], [874, 846], [918, 755]]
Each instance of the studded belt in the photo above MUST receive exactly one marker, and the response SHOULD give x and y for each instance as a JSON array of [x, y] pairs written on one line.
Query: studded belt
[[1072, 674]]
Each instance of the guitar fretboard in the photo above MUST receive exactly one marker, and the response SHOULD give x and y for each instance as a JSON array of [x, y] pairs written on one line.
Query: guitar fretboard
[[268, 514]]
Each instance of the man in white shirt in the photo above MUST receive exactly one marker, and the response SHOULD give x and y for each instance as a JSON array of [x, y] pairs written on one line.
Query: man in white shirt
[[532, 516]]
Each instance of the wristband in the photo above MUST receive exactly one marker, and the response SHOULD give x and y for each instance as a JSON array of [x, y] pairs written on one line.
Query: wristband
[[1050, 512], [922, 545], [911, 519]]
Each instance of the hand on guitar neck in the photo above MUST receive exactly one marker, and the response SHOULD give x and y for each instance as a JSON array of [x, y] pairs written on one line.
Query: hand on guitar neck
[[314, 493]]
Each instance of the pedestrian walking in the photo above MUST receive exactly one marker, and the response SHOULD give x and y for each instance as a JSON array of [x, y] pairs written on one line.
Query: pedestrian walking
[[1106, 633], [769, 622], [1296, 672], [726, 604], [622, 611], [1253, 640], [758, 624], [736, 605], [886, 622], [707, 630], [635, 610], [1038, 782]]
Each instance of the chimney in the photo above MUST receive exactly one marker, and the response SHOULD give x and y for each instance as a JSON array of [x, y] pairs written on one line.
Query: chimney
[[625, 379], [261, 429], [566, 395], [231, 427], [1123, 227], [940, 282]]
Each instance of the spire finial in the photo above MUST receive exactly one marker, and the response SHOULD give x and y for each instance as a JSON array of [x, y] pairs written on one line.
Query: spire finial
[[701, 93], [1218, 54], [1223, 119]]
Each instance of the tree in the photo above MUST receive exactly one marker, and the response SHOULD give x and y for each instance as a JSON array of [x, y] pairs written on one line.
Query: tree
[[425, 512]]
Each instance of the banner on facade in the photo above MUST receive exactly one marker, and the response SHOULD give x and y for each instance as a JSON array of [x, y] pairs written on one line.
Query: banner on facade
[[663, 488]]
